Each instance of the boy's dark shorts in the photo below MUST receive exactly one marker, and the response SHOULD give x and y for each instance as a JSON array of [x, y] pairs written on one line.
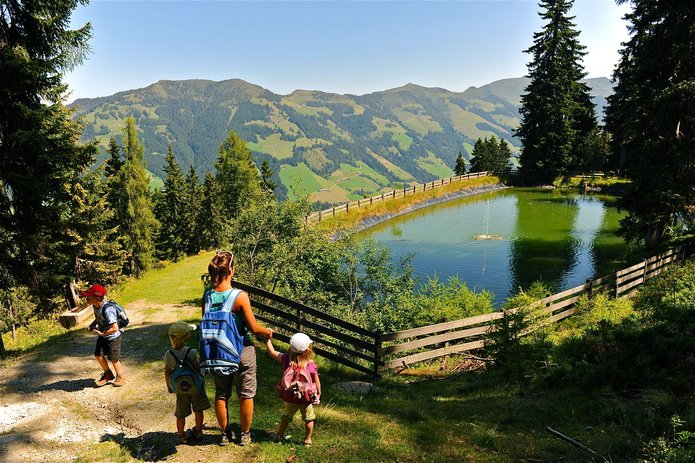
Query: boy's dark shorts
[[184, 404], [245, 378], [110, 349]]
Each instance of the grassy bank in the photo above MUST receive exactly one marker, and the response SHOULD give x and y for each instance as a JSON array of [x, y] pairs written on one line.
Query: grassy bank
[[351, 219]]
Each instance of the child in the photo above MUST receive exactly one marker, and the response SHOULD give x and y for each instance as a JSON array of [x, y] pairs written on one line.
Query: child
[[179, 333], [109, 338], [299, 355]]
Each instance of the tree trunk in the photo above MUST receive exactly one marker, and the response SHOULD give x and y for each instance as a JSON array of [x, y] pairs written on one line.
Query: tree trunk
[[655, 233], [3, 353]]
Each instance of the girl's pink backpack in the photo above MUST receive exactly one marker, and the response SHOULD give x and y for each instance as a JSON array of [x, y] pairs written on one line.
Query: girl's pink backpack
[[296, 385]]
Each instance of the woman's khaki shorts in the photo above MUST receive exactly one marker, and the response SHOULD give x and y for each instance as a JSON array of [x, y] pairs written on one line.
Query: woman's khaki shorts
[[245, 378]]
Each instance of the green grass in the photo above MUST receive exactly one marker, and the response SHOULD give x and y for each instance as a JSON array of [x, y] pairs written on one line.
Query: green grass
[[302, 178], [173, 284]]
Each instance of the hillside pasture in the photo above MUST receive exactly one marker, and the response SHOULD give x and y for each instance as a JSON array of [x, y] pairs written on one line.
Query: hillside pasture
[[435, 166], [274, 146], [300, 180]]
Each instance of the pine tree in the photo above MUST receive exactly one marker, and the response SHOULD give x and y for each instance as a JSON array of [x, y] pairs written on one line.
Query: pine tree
[[492, 156], [460, 167], [558, 117], [652, 120], [193, 199], [212, 223], [98, 254], [136, 219], [40, 154], [237, 176], [267, 182], [170, 208]]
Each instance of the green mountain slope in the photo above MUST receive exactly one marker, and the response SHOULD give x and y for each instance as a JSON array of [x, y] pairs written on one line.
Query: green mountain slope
[[329, 145]]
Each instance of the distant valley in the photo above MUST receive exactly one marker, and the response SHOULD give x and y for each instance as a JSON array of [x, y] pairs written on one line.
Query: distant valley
[[334, 147]]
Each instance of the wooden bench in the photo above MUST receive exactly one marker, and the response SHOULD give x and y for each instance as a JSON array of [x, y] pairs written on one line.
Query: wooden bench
[[71, 318]]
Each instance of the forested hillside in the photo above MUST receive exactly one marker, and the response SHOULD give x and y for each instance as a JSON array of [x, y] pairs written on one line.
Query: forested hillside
[[338, 147]]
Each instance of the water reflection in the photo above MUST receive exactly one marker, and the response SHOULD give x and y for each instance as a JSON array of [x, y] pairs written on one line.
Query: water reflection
[[559, 237]]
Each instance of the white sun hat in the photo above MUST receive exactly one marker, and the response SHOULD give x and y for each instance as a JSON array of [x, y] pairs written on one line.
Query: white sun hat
[[299, 342]]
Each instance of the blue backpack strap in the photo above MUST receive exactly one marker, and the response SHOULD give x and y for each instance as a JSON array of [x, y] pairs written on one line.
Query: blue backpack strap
[[231, 298]]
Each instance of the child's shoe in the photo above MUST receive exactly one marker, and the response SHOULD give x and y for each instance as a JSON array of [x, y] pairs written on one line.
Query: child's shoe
[[120, 381], [224, 440], [182, 439], [105, 378], [194, 436], [307, 443]]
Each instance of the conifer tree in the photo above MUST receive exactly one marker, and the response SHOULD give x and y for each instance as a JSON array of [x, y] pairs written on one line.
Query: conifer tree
[[193, 199], [460, 167], [40, 153], [237, 176], [212, 223], [492, 156], [267, 182], [652, 120], [558, 117], [98, 254], [136, 217], [170, 208]]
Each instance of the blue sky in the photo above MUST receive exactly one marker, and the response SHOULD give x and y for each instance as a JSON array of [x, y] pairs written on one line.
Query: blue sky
[[352, 47]]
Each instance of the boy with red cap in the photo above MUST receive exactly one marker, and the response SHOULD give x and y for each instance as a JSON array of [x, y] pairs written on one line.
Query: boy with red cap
[[105, 325]]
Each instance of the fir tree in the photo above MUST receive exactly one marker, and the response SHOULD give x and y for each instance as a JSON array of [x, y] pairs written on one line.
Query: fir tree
[[40, 154], [652, 120], [169, 210], [193, 198], [492, 156], [460, 167], [237, 176], [558, 117], [267, 182], [212, 223], [136, 218], [98, 254]]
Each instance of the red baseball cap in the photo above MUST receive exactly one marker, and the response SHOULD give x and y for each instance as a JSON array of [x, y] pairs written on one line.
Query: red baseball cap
[[94, 290]]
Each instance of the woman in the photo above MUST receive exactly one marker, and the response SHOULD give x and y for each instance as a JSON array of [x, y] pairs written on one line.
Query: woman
[[221, 271]]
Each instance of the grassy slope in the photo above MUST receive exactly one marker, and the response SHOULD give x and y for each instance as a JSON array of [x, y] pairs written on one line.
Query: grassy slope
[[466, 417]]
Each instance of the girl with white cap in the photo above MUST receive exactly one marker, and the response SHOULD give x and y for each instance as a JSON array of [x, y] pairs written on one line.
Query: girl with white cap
[[297, 363]]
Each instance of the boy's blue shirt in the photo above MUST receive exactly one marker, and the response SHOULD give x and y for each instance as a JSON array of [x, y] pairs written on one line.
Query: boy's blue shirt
[[106, 317]]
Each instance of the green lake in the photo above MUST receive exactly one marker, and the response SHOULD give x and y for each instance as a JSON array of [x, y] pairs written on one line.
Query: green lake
[[558, 236]]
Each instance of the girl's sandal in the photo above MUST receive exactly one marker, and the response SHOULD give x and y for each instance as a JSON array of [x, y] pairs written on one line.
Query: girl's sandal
[[307, 443]]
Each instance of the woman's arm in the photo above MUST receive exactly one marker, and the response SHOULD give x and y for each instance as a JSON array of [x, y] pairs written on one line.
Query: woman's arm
[[272, 352], [243, 304]]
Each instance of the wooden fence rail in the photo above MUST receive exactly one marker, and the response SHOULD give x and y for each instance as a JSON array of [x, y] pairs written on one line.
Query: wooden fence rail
[[369, 352], [400, 193]]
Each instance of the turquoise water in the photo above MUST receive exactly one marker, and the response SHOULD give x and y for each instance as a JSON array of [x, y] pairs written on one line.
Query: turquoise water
[[562, 238]]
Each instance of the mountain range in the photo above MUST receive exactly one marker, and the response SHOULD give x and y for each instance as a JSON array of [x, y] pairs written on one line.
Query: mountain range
[[335, 147]]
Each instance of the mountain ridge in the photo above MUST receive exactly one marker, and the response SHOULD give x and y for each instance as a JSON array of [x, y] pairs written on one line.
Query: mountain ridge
[[336, 147]]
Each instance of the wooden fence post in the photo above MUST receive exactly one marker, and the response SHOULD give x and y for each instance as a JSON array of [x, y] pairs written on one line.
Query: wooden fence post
[[644, 272], [617, 284], [382, 196], [377, 358], [319, 216], [347, 206], [589, 290], [299, 319]]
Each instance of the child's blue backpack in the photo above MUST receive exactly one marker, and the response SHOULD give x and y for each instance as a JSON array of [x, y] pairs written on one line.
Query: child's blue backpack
[[120, 312], [184, 379], [220, 340]]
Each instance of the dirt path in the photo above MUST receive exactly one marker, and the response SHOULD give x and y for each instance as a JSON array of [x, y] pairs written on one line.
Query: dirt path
[[50, 410]]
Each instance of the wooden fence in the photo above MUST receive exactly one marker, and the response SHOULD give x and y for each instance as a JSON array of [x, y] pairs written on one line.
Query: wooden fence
[[415, 345], [370, 352], [401, 193], [335, 339]]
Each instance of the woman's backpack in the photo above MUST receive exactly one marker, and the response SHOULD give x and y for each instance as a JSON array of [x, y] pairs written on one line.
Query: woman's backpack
[[220, 340], [296, 385], [184, 379]]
